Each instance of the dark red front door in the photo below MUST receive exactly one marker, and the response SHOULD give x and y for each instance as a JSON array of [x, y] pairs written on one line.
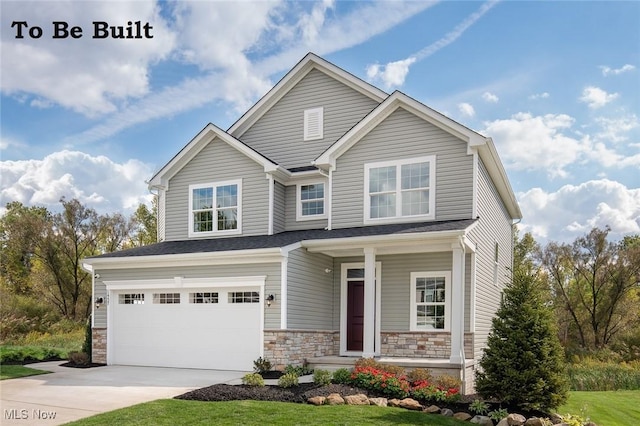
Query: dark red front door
[[355, 315]]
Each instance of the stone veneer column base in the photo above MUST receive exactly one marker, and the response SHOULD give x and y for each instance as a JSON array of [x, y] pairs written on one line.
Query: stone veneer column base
[[99, 345], [284, 347]]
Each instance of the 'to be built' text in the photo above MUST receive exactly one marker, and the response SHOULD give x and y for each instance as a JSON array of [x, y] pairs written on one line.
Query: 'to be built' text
[[101, 30]]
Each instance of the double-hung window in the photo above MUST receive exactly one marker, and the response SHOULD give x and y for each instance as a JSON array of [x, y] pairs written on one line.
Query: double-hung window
[[310, 201], [403, 189], [215, 208], [430, 301]]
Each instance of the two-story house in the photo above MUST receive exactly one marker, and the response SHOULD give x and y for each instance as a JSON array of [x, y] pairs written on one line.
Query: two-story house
[[331, 220]]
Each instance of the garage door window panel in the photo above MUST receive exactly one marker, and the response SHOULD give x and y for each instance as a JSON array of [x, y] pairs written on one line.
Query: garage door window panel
[[131, 299], [205, 297], [244, 297], [166, 298]]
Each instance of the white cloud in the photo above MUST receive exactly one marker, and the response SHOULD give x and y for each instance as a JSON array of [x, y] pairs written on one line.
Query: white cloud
[[543, 95], [490, 97], [391, 75], [466, 109], [572, 211], [98, 182], [595, 97], [86, 75], [528, 142], [614, 129], [606, 71], [394, 73]]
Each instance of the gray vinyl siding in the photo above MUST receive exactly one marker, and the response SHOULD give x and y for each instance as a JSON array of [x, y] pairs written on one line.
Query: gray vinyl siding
[[403, 135], [279, 133], [494, 226], [309, 291], [218, 162], [271, 270], [395, 285], [279, 204], [291, 223]]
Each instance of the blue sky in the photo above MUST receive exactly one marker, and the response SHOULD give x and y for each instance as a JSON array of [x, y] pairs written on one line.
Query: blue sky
[[555, 84]]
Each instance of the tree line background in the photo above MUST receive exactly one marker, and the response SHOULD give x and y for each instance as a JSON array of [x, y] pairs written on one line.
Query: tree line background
[[592, 284]]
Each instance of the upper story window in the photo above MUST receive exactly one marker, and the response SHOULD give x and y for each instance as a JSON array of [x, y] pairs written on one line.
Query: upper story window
[[430, 294], [310, 203], [215, 208], [400, 189], [313, 124]]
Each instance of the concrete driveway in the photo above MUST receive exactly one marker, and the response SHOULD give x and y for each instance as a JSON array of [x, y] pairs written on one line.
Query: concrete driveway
[[69, 394]]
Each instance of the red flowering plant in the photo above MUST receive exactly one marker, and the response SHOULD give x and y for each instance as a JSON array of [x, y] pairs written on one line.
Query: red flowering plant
[[380, 381], [425, 391]]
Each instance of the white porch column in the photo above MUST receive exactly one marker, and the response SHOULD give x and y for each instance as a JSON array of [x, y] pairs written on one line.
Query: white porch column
[[457, 304], [368, 338]]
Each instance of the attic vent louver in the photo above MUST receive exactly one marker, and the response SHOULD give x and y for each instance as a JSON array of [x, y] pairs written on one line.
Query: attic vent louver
[[313, 124]]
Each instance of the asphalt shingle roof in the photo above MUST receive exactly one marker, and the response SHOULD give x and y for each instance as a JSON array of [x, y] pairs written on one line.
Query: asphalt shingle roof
[[285, 238]]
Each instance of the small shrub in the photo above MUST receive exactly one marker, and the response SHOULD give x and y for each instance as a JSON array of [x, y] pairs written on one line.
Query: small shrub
[[419, 374], [446, 381], [88, 337], [498, 414], [321, 377], [288, 380], [381, 381], [341, 376], [396, 370], [479, 407], [573, 420], [367, 362], [79, 358], [301, 370], [261, 365], [252, 379], [426, 391]]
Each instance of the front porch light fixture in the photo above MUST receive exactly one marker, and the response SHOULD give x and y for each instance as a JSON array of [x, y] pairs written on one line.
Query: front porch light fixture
[[99, 302], [270, 298]]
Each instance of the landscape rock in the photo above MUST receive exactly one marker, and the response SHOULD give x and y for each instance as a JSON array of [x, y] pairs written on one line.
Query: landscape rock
[[503, 422], [410, 404], [335, 399], [516, 419], [432, 409], [317, 400], [555, 419], [481, 420], [462, 416], [380, 402], [590, 424], [534, 421], [359, 399], [393, 402], [446, 412]]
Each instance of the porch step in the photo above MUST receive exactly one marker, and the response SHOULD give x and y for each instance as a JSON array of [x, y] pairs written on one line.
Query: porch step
[[332, 363]]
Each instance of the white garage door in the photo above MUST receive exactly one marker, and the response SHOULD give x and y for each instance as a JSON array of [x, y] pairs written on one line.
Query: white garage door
[[209, 328]]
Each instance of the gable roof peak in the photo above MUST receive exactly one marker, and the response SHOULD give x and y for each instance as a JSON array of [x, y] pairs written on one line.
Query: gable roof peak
[[308, 63]]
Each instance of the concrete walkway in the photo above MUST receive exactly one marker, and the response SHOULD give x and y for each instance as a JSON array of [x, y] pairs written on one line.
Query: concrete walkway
[[69, 394]]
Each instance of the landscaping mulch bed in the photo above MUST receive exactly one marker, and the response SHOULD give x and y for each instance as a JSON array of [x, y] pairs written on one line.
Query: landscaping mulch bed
[[298, 394]]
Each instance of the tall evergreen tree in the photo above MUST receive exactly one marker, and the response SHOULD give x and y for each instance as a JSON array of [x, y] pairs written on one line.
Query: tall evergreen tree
[[523, 362]]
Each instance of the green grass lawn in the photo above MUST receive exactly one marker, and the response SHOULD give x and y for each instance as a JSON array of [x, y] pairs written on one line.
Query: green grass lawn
[[608, 408], [15, 371], [179, 412]]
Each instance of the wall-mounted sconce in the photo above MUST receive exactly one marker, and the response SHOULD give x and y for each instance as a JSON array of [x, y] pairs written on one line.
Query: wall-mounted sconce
[[328, 271], [270, 298], [96, 276], [99, 302]]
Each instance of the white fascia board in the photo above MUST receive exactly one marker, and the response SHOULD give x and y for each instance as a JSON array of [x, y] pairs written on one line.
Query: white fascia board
[[180, 282], [233, 257], [382, 240], [297, 73], [382, 111], [160, 180], [496, 171]]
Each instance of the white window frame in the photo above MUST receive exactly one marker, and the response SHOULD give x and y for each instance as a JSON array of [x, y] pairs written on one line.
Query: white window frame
[[431, 159], [299, 201], [413, 310], [311, 115], [214, 231]]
